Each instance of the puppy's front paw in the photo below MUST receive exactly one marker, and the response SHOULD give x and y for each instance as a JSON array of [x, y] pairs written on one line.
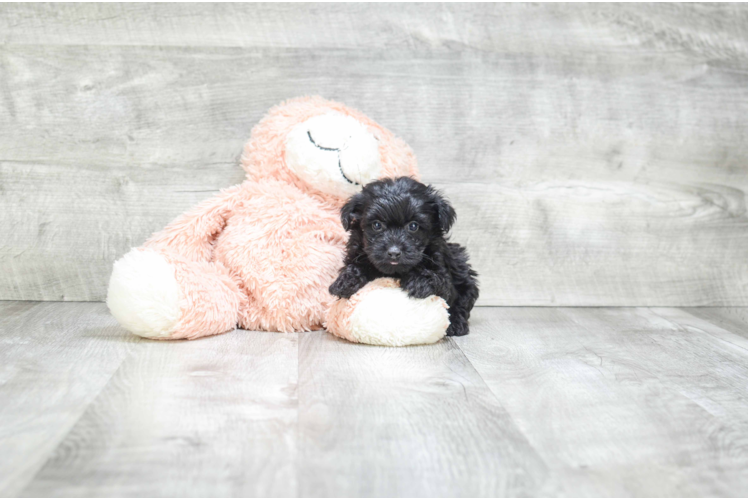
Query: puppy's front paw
[[348, 283], [420, 287], [458, 328], [343, 289]]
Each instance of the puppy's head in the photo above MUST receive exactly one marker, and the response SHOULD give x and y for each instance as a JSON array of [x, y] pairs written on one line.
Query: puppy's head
[[396, 220]]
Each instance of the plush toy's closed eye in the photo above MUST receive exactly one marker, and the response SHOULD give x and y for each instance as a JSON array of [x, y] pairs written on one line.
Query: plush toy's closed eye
[[334, 153]]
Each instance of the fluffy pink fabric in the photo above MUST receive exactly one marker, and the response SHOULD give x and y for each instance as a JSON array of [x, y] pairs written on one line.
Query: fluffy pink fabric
[[262, 254]]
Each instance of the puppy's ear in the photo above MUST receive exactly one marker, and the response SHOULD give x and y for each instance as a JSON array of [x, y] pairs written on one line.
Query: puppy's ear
[[445, 214], [350, 214]]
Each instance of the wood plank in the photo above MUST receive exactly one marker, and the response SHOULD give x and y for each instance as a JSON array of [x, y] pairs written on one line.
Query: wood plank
[[570, 243], [578, 179], [707, 327], [620, 402], [64, 232], [511, 116], [685, 236], [414, 421], [717, 28], [535, 401], [54, 360], [212, 417], [732, 319]]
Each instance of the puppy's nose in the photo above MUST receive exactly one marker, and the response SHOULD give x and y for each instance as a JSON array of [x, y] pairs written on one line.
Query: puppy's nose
[[393, 252]]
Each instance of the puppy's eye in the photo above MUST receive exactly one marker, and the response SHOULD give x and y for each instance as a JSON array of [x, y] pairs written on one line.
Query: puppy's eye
[[376, 225], [413, 227]]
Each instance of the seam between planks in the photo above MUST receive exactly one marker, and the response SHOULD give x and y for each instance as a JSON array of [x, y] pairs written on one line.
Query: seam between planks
[[495, 397], [741, 343], [72, 425]]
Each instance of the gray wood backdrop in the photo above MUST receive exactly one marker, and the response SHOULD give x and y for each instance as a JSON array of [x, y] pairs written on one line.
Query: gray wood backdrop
[[596, 154]]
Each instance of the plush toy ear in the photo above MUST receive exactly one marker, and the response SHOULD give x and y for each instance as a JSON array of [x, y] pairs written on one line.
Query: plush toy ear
[[350, 214], [445, 214]]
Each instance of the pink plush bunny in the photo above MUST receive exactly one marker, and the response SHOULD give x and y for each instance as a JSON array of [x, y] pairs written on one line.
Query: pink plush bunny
[[262, 254]]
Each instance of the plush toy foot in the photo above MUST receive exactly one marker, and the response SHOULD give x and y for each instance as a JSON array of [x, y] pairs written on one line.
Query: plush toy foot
[[144, 295], [381, 313], [164, 296]]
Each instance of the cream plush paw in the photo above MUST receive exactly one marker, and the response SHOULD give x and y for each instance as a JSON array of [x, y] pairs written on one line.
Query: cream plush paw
[[381, 313], [144, 295]]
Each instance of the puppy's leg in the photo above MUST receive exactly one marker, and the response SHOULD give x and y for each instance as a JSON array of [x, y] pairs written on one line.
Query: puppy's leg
[[459, 311], [458, 320], [422, 283], [351, 279]]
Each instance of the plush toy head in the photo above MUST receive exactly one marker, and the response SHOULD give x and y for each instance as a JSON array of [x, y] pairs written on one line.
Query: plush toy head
[[325, 147]]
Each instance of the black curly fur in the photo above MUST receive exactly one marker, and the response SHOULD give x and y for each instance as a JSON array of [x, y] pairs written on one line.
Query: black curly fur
[[398, 229]]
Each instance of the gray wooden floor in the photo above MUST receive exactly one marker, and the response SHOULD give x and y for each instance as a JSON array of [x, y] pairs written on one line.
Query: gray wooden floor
[[536, 401]]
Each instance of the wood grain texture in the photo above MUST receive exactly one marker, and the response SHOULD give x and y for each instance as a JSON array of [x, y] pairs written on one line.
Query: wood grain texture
[[214, 417], [714, 29], [620, 402], [415, 421], [534, 402], [733, 319], [60, 243], [595, 153], [54, 360], [571, 243]]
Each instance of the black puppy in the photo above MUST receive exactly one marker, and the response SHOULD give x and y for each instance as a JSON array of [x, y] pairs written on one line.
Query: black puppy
[[398, 229]]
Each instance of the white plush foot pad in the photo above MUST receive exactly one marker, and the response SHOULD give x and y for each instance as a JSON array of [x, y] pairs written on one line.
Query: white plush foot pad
[[143, 294], [381, 313]]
